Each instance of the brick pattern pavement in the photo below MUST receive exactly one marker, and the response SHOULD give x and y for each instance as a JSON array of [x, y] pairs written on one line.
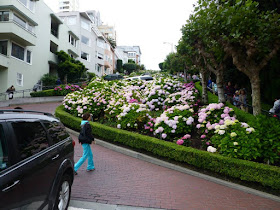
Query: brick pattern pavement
[[123, 180]]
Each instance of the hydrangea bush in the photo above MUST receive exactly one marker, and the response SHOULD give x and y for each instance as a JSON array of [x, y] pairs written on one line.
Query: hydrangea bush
[[167, 109], [236, 139]]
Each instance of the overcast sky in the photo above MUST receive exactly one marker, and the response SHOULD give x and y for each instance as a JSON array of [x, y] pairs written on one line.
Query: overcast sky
[[144, 23]]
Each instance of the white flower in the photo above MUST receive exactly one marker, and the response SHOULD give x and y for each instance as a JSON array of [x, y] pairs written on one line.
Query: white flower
[[221, 132], [235, 143], [135, 125], [211, 149], [128, 124], [119, 126], [233, 134]]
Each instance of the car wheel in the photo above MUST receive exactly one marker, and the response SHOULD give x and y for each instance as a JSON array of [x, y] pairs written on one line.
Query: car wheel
[[64, 192]]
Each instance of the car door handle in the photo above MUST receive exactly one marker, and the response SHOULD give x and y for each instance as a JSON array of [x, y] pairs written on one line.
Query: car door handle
[[14, 184], [55, 157]]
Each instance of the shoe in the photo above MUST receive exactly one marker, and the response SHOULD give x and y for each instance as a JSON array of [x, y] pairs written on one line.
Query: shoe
[[88, 170], [75, 172]]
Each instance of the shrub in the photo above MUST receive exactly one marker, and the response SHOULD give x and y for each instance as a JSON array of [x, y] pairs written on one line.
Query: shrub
[[49, 80]]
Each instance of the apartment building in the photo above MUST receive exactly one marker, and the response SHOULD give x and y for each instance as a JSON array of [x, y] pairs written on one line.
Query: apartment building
[[93, 44], [30, 34], [130, 53], [108, 31], [68, 5]]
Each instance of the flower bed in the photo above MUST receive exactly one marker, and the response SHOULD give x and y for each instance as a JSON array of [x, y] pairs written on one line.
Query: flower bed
[[168, 110]]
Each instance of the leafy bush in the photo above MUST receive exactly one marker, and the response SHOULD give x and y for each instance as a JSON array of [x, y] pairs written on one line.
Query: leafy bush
[[49, 80], [42, 93], [268, 131], [237, 140]]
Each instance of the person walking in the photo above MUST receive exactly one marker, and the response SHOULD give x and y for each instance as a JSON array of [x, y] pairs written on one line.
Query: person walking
[[85, 138]]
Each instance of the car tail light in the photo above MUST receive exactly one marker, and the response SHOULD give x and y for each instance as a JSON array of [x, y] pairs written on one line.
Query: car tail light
[[73, 142]]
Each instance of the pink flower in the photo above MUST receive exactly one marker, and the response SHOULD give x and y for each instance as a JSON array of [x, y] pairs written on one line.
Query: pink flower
[[198, 126], [180, 142], [164, 135], [187, 136], [203, 136], [151, 130]]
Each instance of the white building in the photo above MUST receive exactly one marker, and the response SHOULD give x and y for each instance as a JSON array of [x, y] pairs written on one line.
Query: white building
[[30, 34], [130, 53], [68, 5], [108, 31], [93, 50]]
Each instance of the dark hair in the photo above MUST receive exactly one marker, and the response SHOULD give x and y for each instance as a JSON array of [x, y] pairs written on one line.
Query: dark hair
[[18, 107], [86, 116]]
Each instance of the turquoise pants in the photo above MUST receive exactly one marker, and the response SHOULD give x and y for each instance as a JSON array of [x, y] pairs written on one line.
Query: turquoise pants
[[87, 154]]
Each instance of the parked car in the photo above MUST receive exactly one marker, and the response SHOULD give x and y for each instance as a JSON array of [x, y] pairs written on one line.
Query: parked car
[[110, 77], [146, 78], [36, 161]]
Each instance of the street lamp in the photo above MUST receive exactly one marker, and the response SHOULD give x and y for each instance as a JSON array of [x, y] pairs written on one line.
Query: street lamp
[[171, 44]]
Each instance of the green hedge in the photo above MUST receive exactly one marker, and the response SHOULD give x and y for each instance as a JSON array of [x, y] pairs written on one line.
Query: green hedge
[[265, 175], [43, 93], [241, 115]]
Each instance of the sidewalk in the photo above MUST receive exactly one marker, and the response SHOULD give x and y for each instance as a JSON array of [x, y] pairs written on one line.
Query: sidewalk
[[30, 100], [123, 181]]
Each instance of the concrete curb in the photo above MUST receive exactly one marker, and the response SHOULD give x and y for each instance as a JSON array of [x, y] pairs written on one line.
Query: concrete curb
[[85, 205], [31, 100], [180, 169]]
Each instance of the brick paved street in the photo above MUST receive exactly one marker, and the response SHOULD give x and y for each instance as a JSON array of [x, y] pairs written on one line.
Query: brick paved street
[[120, 179]]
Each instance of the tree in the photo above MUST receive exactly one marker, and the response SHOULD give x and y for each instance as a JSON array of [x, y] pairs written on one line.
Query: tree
[[119, 66], [249, 36], [129, 67], [112, 42], [69, 68], [160, 65]]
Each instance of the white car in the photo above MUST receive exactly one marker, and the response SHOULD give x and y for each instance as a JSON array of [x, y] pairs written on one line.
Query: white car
[[146, 78]]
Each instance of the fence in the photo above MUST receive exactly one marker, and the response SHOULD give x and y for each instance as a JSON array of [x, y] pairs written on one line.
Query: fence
[[26, 92]]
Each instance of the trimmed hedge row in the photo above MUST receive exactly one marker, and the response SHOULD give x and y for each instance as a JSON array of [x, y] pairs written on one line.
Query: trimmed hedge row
[[43, 93], [241, 115], [265, 175]]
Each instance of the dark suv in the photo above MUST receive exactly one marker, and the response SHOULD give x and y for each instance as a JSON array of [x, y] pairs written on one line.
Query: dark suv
[[36, 161]]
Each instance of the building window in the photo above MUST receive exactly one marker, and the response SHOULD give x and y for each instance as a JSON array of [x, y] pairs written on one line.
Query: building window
[[28, 56], [72, 40], [23, 23], [4, 16], [85, 40], [53, 47], [72, 20], [100, 56], [97, 67], [3, 47], [30, 4], [19, 79], [85, 56], [20, 21], [17, 51], [85, 25], [54, 27]]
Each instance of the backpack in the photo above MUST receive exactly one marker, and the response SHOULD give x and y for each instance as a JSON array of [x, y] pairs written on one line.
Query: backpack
[[83, 138]]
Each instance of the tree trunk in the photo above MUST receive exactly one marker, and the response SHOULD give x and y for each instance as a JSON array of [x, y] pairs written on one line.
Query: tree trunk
[[204, 87], [185, 75], [220, 86], [256, 93]]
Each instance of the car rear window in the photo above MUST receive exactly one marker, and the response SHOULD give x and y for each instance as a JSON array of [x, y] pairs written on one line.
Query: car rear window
[[56, 131], [31, 138]]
